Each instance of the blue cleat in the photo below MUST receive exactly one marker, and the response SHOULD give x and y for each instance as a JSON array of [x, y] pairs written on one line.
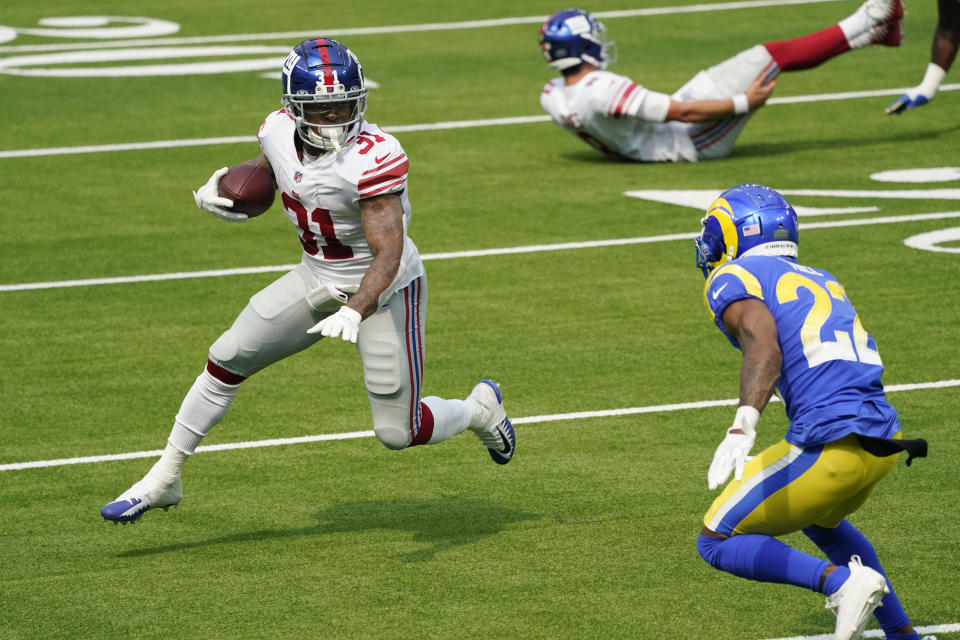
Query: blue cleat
[[905, 102], [140, 498], [490, 421]]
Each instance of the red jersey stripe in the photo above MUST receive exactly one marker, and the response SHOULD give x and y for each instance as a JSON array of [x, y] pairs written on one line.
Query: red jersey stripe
[[398, 171], [618, 112], [373, 192]]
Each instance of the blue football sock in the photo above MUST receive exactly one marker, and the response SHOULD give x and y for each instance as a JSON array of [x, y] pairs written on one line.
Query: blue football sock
[[845, 541], [835, 580], [762, 558]]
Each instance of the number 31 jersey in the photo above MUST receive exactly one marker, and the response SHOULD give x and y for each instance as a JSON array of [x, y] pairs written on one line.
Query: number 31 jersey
[[830, 374], [322, 199]]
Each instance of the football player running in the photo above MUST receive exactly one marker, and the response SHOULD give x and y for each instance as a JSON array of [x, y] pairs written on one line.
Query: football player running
[[701, 120], [343, 184], [943, 50], [800, 336]]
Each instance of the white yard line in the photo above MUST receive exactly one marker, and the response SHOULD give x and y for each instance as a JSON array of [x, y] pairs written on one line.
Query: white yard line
[[431, 126], [408, 28], [473, 253], [878, 633], [555, 417]]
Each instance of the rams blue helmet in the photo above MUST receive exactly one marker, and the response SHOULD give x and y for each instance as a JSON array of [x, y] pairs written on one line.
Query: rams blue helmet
[[324, 91], [571, 37], [748, 219]]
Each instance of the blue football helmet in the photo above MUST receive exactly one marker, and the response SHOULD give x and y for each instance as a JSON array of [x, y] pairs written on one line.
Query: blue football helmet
[[748, 219], [324, 91], [573, 36]]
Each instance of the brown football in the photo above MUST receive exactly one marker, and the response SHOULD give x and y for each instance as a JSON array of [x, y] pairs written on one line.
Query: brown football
[[250, 186]]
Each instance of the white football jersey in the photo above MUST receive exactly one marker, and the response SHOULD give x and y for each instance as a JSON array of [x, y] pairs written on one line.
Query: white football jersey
[[322, 199], [619, 117]]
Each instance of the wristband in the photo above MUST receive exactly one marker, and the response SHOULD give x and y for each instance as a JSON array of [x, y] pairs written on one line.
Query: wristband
[[740, 104], [746, 418]]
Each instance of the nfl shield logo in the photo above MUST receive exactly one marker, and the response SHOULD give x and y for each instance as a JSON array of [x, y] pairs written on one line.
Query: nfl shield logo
[[298, 176]]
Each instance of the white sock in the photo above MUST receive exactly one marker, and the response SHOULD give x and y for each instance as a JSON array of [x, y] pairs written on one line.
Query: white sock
[[168, 467], [450, 417], [931, 80], [204, 406]]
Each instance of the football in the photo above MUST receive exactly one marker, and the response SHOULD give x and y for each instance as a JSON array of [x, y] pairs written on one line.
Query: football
[[250, 186]]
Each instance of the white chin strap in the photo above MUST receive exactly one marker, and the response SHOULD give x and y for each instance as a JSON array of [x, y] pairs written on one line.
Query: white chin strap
[[328, 136]]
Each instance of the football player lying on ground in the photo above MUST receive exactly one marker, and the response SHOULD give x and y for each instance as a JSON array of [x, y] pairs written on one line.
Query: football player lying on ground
[[801, 335], [343, 183], [943, 50], [703, 119]]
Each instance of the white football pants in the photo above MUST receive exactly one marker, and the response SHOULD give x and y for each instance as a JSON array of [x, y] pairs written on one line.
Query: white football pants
[[715, 138], [274, 326]]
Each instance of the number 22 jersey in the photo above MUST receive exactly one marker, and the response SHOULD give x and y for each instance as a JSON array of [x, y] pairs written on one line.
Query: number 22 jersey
[[322, 199], [830, 374]]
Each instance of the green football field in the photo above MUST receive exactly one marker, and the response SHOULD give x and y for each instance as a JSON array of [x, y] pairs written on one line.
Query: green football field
[[567, 277]]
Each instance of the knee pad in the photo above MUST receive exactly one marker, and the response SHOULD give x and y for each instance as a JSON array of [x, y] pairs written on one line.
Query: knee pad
[[271, 327], [381, 364]]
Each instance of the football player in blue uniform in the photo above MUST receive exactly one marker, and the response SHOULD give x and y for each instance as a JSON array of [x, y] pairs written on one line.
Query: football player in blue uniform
[[800, 336]]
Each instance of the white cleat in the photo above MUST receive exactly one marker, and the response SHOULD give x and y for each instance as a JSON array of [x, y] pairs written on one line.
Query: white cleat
[[856, 599], [140, 498], [490, 421], [883, 10]]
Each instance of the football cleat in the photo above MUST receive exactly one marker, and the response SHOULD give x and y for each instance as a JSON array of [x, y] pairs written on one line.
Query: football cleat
[[883, 10], [856, 599], [905, 102], [140, 498], [888, 34], [490, 421]]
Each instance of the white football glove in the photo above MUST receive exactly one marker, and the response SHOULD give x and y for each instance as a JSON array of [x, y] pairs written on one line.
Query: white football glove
[[734, 451], [344, 323], [212, 202]]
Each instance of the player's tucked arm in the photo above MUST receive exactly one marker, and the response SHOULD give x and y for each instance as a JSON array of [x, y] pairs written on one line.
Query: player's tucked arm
[[698, 110], [752, 324], [263, 162], [382, 220]]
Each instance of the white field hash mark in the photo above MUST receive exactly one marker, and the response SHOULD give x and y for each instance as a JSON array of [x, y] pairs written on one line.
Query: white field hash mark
[[450, 255], [555, 417]]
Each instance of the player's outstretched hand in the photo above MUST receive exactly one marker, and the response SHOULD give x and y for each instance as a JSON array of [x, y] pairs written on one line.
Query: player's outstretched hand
[[759, 91], [910, 100], [344, 323], [209, 199], [734, 451]]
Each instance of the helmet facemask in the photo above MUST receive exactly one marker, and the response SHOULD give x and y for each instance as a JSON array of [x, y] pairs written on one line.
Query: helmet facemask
[[326, 122], [324, 92]]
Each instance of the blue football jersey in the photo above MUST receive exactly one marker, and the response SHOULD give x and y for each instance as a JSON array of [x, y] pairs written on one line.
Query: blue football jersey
[[830, 376]]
